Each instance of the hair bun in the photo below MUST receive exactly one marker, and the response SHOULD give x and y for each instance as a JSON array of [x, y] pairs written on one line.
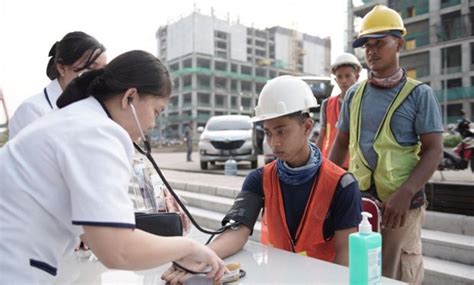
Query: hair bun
[[52, 51]]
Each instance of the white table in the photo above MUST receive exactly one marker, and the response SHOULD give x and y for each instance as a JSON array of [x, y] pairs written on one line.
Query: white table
[[263, 265]]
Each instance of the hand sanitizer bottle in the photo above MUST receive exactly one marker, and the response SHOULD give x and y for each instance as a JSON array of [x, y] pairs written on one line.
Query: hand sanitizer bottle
[[365, 254]]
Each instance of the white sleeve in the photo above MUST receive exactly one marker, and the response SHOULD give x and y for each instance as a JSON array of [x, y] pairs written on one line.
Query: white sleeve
[[96, 169], [23, 116]]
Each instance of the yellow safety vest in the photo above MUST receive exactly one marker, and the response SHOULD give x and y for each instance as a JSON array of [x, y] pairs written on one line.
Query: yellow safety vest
[[394, 161]]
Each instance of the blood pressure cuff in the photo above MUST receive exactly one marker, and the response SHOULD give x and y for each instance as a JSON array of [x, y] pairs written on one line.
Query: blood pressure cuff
[[246, 208]]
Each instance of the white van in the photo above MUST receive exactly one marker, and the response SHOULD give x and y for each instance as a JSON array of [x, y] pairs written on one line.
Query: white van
[[225, 137]]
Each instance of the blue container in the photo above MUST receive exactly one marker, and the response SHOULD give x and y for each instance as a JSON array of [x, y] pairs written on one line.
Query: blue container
[[230, 167]]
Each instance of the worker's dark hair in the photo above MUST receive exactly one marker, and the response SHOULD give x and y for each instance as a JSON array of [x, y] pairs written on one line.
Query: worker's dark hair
[[300, 116], [134, 69], [69, 49]]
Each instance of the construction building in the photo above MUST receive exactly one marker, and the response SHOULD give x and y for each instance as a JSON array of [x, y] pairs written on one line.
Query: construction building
[[439, 47], [219, 67]]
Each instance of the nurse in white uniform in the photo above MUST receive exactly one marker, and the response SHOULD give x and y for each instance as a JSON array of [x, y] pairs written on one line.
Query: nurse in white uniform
[[67, 174], [75, 53]]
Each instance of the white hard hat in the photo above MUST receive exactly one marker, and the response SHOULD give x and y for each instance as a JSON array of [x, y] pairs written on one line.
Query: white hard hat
[[346, 59], [284, 95]]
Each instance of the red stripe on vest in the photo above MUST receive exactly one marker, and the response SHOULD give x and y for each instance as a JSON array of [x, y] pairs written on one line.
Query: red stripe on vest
[[332, 115]]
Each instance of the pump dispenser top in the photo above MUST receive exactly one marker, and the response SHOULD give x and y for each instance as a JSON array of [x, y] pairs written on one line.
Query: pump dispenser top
[[365, 227]]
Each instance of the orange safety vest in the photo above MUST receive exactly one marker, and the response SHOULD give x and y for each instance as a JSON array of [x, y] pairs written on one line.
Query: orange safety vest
[[332, 115], [309, 236]]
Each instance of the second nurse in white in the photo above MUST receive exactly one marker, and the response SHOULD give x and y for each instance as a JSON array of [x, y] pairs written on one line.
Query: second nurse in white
[[75, 53]]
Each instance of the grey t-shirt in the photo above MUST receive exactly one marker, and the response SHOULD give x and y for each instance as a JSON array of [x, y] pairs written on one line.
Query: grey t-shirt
[[418, 114]]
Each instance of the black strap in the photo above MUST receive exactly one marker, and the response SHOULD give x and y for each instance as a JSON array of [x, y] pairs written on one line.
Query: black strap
[[47, 98]]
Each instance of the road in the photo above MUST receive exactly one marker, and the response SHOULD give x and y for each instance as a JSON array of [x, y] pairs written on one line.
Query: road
[[174, 164]]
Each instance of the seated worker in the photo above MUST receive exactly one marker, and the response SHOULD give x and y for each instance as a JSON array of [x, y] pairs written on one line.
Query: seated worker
[[310, 205]]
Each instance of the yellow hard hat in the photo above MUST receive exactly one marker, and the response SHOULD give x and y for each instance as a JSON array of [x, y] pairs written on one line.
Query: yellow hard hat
[[380, 21]]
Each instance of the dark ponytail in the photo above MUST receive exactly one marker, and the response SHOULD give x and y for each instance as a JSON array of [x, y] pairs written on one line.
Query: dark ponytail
[[78, 88], [134, 69], [71, 48]]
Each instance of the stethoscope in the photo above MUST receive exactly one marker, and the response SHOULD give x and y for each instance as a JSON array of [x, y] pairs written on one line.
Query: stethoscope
[[147, 152]]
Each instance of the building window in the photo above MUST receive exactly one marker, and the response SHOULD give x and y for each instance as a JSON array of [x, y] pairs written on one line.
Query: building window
[[188, 63], [221, 45], [175, 84], [187, 81], [453, 83], [246, 70], [451, 59], [220, 101], [220, 35], [273, 74], [246, 86], [451, 27], [246, 103], [454, 112], [204, 99], [233, 85], [448, 3], [220, 83], [221, 54], [203, 63], [203, 82], [261, 53], [174, 67], [173, 102], [187, 100], [411, 12], [233, 102], [416, 65], [221, 66], [203, 116]]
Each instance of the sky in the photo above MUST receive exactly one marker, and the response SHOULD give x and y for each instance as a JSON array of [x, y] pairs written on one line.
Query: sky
[[28, 29]]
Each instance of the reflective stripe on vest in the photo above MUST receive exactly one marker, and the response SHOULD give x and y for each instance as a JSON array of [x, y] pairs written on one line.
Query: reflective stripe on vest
[[332, 115], [394, 162], [309, 236]]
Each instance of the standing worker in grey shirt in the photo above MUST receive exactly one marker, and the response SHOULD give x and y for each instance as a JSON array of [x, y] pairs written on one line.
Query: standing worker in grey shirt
[[391, 125], [188, 136]]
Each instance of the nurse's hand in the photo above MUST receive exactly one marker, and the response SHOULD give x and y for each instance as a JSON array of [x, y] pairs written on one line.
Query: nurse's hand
[[207, 256]]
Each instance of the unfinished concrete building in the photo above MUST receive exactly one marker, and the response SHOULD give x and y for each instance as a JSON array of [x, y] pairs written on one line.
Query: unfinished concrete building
[[439, 47], [219, 67]]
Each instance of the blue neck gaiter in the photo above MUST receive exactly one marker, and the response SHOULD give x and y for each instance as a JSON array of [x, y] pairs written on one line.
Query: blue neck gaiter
[[302, 174]]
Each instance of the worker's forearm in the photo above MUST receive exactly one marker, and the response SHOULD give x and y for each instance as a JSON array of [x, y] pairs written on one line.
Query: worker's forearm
[[339, 148], [230, 242]]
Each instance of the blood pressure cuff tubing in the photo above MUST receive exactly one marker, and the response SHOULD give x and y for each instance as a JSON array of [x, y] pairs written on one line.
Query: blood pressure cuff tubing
[[246, 208]]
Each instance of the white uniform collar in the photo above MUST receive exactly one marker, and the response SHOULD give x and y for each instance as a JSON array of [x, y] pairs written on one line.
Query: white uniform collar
[[54, 90]]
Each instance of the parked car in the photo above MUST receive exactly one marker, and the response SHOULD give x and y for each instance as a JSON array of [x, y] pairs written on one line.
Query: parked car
[[225, 137]]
